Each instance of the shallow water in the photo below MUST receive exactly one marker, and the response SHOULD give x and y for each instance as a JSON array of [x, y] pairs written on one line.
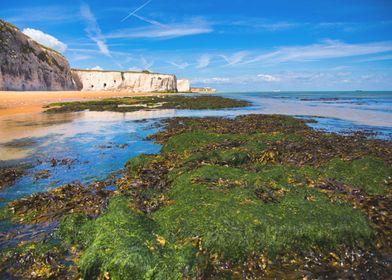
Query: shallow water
[[94, 145]]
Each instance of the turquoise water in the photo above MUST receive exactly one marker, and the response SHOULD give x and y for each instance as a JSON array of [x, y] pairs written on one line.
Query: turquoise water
[[98, 144]]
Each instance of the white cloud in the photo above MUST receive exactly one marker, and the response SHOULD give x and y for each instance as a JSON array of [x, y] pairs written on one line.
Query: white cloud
[[97, 68], [294, 77], [203, 61], [93, 30], [300, 80], [142, 64], [260, 24], [268, 78], [211, 81], [192, 27], [377, 58], [80, 57], [136, 10], [327, 50], [150, 21], [235, 58], [146, 64], [277, 26], [181, 65], [47, 14], [45, 39]]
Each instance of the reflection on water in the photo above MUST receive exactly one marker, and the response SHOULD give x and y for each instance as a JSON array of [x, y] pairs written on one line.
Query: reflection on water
[[44, 129], [95, 144]]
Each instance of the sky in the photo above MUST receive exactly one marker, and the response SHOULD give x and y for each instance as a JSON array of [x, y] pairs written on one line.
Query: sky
[[232, 45]]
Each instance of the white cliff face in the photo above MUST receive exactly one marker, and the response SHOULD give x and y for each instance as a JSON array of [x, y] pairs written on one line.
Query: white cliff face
[[95, 80], [183, 86], [26, 65]]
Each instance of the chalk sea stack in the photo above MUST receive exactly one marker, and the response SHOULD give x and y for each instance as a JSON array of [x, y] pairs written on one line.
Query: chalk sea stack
[[27, 65]]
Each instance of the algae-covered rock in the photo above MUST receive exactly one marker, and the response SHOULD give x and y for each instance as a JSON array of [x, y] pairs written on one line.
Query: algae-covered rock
[[245, 198]]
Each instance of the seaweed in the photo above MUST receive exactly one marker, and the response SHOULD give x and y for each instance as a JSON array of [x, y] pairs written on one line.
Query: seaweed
[[9, 175], [52, 205], [35, 260], [131, 104], [259, 196]]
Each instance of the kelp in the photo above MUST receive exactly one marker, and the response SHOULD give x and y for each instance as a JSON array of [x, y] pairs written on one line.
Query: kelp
[[145, 182], [36, 260], [132, 104], [52, 205], [9, 175], [258, 196]]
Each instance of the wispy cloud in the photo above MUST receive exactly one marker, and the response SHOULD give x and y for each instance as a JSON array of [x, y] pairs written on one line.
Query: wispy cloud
[[377, 58], [263, 25], [235, 58], [45, 39], [136, 10], [179, 65], [327, 50], [150, 21], [142, 63], [164, 31], [269, 78], [41, 14], [80, 57], [212, 81], [145, 19], [93, 30], [203, 61], [293, 77], [146, 64]]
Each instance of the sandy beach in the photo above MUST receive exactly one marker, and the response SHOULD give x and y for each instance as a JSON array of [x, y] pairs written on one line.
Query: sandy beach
[[19, 102]]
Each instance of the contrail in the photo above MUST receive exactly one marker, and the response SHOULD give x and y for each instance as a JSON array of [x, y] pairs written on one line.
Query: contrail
[[153, 22], [138, 9]]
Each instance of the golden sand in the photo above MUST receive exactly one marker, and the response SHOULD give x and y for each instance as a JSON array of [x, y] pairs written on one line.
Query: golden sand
[[17, 102]]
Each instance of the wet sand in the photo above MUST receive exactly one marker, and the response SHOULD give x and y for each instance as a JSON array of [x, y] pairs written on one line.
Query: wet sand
[[19, 102]]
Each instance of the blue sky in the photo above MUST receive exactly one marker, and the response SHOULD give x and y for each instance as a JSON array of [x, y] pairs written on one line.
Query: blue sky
[[231, 45]]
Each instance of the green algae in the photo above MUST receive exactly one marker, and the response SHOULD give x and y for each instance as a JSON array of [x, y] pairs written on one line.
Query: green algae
[[128, 245], [76, 229], [248, 197], [224, 204], [132, 104], [234, 223], [369, 174]]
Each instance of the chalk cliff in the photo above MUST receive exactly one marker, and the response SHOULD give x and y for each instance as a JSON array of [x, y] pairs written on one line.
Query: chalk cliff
[[183, 86], [27, 65], [97, 80]]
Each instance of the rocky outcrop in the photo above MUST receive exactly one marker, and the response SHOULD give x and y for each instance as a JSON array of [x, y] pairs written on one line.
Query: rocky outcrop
[[27, 65], [183, 86], [203, 90], [98, 80]]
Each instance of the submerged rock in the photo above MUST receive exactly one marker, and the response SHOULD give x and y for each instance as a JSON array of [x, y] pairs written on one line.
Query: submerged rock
[[8, 176]]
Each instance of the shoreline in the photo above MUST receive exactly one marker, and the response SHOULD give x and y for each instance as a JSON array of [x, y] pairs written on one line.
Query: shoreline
[[24, 102]]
